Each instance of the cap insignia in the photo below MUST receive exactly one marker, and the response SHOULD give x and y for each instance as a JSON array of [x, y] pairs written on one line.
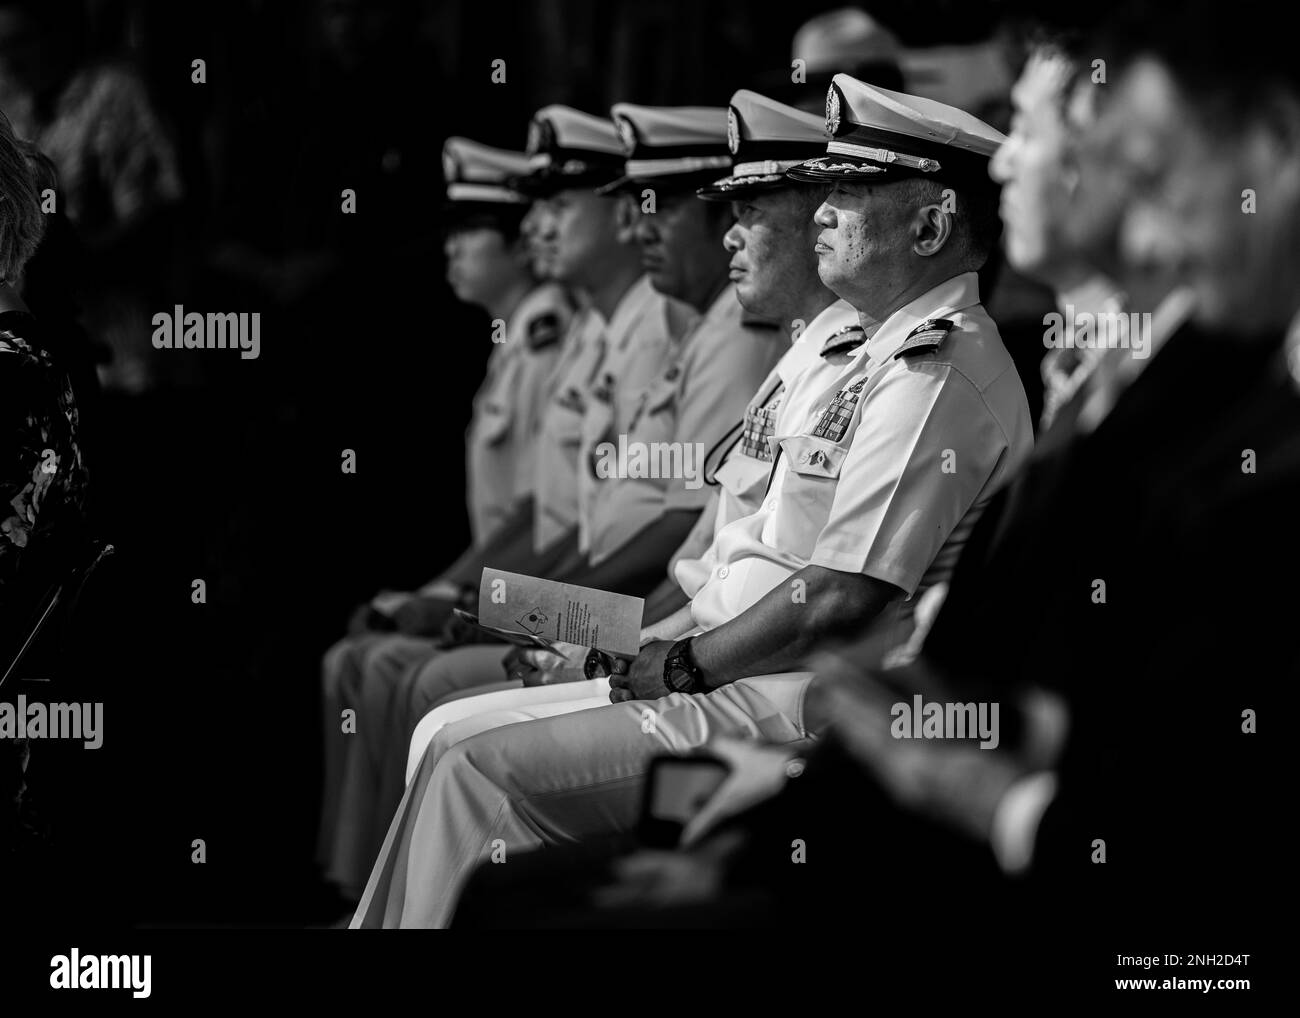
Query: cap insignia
[[626, 134], [832, 110]]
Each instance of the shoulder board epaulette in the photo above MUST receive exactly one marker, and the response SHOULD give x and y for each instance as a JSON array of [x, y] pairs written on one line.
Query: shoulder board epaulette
[[544, 331], [848, 338], [927, 337]]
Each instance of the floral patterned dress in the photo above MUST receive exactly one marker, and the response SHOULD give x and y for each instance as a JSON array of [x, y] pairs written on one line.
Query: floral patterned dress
[[42, 475], [42, 511]]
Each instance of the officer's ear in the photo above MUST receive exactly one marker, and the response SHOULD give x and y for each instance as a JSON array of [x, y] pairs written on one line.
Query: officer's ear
[[932, 227], [1078, 116], [626, 216]]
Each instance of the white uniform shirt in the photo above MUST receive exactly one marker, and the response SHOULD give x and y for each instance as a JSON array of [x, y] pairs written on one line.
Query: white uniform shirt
[[742, 477], [501, 440], [638, 342], [555, 479], [885, 462], [675, 421]]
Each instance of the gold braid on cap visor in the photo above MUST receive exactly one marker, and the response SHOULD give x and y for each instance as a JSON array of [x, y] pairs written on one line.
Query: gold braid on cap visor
[[883, 155], [684, 164]]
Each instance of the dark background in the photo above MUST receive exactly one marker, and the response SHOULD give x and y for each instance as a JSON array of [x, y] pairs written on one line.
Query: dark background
[[213, 467]]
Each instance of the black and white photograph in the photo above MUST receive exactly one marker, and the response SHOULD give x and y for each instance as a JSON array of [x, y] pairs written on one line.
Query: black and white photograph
[[801, 492]]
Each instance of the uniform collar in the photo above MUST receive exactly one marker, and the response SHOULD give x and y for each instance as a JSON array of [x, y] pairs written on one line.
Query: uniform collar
[[630, 308], [952, 295], [724, 313], [832, 319], [726, 305]]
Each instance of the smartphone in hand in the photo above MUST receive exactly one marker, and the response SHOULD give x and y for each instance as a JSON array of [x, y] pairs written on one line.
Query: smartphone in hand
[[676, 788]]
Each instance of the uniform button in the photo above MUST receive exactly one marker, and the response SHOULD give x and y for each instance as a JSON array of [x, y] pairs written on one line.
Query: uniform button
[[722, 572], [771, 506]]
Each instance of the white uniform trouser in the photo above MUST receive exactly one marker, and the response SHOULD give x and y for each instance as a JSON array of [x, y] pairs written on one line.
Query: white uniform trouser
[[360, 673], [494, 784], [478, 713]]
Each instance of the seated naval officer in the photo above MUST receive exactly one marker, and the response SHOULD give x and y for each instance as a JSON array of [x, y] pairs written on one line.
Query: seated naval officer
[[488, 266], [774, 273], [887, 452]]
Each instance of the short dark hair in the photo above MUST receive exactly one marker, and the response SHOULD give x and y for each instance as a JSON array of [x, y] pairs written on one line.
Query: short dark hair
[[978, 227], [977, 211], [507, 220]]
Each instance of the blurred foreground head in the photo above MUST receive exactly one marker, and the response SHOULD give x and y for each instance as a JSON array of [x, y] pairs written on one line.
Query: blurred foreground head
[[1039, 171], [1201, 116]]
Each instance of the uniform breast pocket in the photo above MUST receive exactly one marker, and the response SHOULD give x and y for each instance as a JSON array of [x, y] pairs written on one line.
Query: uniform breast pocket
[[564, 420], [656, 408], [662, 394], [744, 478], [495, 424], [807, 490]]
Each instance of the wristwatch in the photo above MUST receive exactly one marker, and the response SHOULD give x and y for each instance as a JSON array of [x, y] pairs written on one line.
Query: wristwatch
[[681, 673]]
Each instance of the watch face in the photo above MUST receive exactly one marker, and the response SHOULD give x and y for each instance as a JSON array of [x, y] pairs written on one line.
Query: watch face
[[679, 674]]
